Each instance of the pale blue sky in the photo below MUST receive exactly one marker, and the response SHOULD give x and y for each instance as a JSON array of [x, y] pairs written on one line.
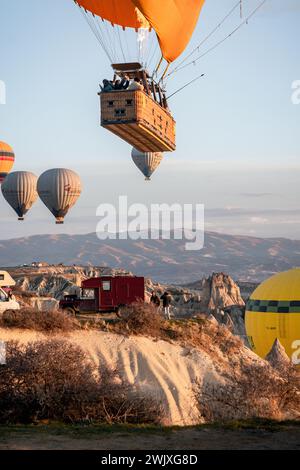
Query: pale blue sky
[[237, 130]]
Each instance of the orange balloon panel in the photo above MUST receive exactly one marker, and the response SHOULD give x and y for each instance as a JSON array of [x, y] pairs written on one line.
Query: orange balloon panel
[[173, 20], [123, 13]]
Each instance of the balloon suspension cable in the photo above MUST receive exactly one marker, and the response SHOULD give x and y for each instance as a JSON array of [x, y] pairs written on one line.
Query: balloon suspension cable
[[158, 65], [212, 48], [164, 74], [207, 37], [241, 9], [186, 85]]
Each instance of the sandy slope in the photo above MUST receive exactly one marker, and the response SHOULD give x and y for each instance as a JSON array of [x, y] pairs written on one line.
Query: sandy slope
[[165, 371]]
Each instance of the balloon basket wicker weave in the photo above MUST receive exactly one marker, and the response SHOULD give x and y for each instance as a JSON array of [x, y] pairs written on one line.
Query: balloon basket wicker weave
[[139, 120]]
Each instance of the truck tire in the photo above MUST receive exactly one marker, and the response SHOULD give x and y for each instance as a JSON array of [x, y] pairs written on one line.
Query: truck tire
[[70, 311]]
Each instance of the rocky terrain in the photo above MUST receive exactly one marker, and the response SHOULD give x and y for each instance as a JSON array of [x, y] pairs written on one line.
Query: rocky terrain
[[165, 261], [218, 294]]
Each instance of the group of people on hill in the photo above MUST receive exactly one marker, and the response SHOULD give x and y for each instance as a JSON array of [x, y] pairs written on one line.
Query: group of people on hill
[[165, 299]]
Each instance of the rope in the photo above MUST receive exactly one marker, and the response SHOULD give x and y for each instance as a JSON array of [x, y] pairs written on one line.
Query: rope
[[206, 37], [186, 85], [96, 32], [222, 40]]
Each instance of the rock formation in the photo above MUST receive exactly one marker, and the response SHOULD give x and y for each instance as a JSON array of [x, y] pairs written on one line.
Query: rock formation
[[277, 357]]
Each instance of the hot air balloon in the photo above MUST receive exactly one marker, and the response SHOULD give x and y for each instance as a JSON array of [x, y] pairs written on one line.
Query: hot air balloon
[[59, 190], [146, 162], [134, 104], [273, 312], [19, 190], [7, 159]]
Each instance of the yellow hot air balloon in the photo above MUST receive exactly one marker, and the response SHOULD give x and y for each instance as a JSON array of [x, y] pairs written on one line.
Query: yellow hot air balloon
[[273, 312], [59, 190], [147, 162], [7, 160], [19, 190]]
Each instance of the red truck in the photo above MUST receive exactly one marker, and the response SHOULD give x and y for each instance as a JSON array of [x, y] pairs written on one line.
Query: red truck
[[105, 294]]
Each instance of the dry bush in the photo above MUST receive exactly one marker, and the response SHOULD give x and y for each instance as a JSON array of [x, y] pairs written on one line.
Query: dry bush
[[18, 291], [30, 319], [141, 318], [254, 391], [54, 380]]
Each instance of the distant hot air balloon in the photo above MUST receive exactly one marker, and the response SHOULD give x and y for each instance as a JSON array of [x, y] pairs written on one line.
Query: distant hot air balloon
[[7, 159], [19, 190], [146, 162], [59, 190]]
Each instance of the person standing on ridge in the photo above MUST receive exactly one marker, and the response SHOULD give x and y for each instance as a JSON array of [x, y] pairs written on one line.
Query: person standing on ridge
[[155, 300], [167, 299]]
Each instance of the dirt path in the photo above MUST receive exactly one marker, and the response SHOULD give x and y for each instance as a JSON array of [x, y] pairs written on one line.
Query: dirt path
[[196, 438]]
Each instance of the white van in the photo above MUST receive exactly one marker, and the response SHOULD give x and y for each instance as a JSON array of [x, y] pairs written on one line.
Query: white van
[[7, 300], [6, 280]]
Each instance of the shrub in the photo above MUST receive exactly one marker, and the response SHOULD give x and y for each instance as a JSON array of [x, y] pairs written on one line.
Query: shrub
[[141, 318], [254, 391], [54, 380], [47, 321]]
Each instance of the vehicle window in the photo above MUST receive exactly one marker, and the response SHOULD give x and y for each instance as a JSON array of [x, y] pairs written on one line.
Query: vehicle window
[[1, 277], [106, 285], [3, 296], [88, 293]]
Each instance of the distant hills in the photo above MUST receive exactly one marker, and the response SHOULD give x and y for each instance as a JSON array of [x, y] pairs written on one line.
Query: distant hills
[[244, 258]]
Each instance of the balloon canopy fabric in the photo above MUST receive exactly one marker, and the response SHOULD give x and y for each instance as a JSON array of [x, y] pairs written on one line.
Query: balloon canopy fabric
[[59, 190], [7, 159], [173, 20], [273, 312], [19, 190], [147, 162]]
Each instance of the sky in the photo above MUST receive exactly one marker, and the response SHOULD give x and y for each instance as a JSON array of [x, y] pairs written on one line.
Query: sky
[[237, 128]]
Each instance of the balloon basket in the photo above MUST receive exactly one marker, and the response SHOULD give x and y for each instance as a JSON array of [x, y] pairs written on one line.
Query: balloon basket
[[135, 117]]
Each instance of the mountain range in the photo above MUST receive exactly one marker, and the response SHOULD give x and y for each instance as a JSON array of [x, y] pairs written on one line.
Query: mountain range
[[244, 258]]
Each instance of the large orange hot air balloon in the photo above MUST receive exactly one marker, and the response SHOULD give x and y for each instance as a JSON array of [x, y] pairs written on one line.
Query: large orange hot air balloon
[[134, 104], [7, 160], [172, 20]]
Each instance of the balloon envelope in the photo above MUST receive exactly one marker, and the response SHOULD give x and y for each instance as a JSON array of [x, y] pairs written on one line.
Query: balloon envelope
[[173, 21], [59, 190], [273, 312], [7, 159], [147, 162], [19, 190]]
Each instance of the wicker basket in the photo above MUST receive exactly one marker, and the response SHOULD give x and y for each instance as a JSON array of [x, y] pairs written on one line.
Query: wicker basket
[[139, 120]]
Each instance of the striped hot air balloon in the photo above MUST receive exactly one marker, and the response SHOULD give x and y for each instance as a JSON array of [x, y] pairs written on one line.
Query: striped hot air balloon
[[7, 159], [19, 190], [147, 162], [59, 190]]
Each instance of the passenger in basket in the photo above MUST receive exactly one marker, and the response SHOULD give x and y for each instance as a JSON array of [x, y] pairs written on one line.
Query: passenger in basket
[[107, 86], [121, 84], [136, 85]]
